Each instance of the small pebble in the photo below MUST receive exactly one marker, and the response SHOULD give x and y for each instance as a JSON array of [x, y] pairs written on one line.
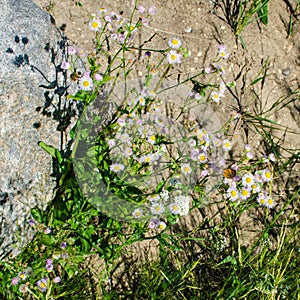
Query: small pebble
[[188, 29], [286, 72]]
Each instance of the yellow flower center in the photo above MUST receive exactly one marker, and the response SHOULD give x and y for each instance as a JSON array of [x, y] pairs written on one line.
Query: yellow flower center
[[161, 226], [95, 24], [175, 42], [175, 207], [186, 169], [85, 83], [245, 193], [270, 201], [157, 208], [262, 201], [173, 56], [42, 285], [147, 159], [268, 175], [248, 179], [233, 193], [202, 157]]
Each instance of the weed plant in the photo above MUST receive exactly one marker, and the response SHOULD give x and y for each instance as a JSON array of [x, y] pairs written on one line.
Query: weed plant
[[224, 217], [238, 14]]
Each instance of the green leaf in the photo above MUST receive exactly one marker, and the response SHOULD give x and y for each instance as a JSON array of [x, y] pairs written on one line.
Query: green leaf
[[85, 246], [263, 14], [72, 131], [257, 80], [51, 150], [228, 259], [48, 240], [159, 187], [37, 214]]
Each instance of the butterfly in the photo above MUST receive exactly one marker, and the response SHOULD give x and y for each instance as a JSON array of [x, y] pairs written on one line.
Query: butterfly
[[229, 173]]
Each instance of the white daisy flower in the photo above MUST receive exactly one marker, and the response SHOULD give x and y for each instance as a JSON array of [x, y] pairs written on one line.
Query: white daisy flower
[[137, 213], [140, 100], [174, 208], [174, 43], [116, 168], [255, 188], [146, 158], [86, 83], [262, 199], [245, 193], [232, 194], [110, 27], [95, 24], [131, 28], [269, 202], [173, 57], [248, 180], [151, 139], [266, 175], [157, 209], [128, 151], [161, 225], [227, 145], [202, 157], [215, 96], [186, 168], [222, 52], [124, 137]]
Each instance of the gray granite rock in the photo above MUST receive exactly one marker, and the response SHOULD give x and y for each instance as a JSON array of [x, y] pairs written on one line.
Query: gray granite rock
[[33, 108]]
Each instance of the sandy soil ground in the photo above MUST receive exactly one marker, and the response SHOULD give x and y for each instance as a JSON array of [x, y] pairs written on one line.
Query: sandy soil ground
[[200, 26]]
